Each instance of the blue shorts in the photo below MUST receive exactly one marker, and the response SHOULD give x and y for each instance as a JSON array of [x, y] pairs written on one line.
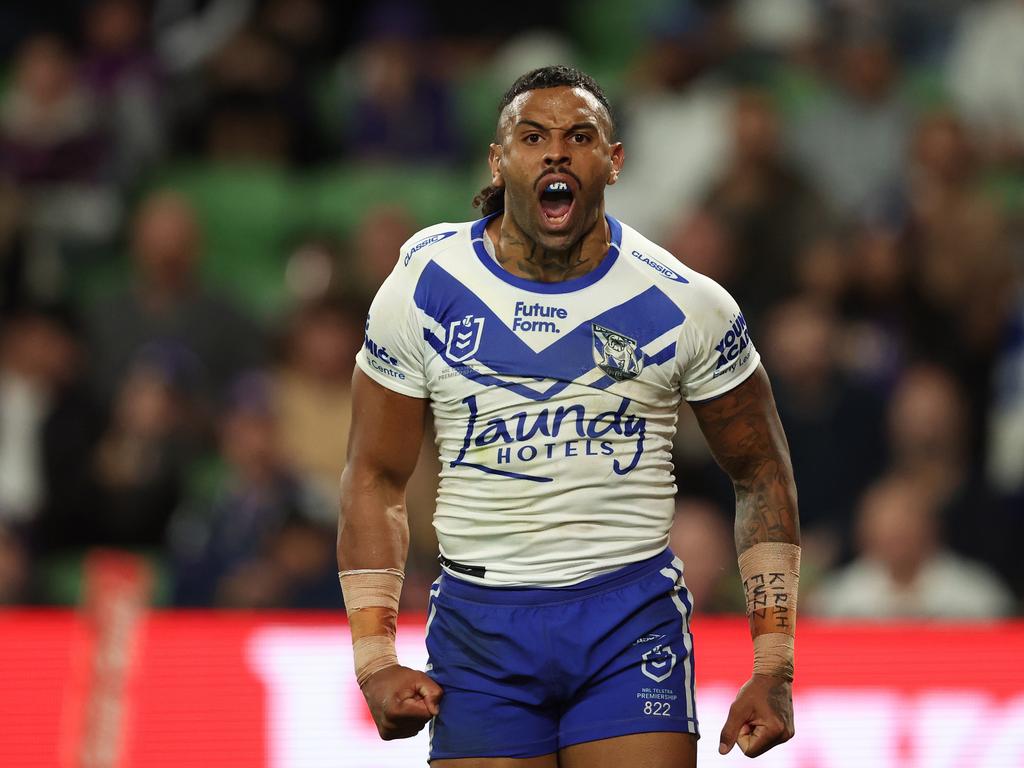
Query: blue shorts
[[528, 671]]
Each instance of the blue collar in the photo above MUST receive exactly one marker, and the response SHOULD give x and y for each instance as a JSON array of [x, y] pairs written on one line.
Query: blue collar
[[563, 286]]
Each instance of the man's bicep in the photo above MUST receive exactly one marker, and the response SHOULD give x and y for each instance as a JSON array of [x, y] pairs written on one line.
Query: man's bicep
[[743, 431], [387, 430], [742, 425]]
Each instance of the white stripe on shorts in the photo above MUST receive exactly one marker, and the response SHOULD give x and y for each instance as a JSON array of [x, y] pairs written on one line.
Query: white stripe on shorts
[[676, 577]]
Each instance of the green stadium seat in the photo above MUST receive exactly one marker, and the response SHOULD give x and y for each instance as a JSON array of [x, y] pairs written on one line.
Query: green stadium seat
[[248, 214], [337, 200]]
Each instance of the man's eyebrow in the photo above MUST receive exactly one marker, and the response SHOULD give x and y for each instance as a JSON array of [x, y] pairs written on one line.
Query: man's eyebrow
[[534, 123], [574, 127]]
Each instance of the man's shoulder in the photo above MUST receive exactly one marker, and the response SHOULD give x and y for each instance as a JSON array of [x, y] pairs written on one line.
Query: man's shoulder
[[664, 269], [445, 242], [433, 241]]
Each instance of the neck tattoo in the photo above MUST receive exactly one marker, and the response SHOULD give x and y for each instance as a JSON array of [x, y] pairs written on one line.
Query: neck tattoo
[[520, 254]]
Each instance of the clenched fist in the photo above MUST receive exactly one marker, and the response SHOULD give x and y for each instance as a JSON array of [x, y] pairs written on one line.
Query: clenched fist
[[401, 700], [761, 717]]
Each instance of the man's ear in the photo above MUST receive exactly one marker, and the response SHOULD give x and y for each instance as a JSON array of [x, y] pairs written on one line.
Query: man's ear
[[494, 155], [618, 157]]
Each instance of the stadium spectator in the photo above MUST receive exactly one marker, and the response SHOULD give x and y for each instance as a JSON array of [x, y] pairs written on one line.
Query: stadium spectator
[[53, 145], [376, 244], [313, 391], [189, 32], [49, 121], [124, 77], [675, 116], [49, 424], [818, 401], [929, 441], [1005, 449], [986, 74], [904, 569], [167, 303], [778, 25], [702, 242], [254, 541], [962, 275], [877, 302], [316, 268], [257, 108], [305, 29], [770, 210], [141, 461], [853, 144], [403, 108]]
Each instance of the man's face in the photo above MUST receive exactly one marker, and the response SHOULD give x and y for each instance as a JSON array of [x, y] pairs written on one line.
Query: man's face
[[554, 161]]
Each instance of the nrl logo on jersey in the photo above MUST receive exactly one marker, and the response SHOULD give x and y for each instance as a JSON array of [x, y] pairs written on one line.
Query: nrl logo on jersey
[[464, 338], [616, 354]]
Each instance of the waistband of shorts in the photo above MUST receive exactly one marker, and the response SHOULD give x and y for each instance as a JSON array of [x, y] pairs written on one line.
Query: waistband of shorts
[[452, 586]]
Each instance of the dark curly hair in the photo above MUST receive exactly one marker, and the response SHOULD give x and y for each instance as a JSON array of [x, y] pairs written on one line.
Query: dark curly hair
[[492, 199]]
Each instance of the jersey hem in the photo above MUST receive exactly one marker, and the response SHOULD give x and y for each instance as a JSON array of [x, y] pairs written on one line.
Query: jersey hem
[[455, 587], [389, 383], [491, 583]]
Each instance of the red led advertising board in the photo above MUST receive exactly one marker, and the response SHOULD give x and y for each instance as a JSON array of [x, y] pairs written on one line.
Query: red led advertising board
[[247, 690]]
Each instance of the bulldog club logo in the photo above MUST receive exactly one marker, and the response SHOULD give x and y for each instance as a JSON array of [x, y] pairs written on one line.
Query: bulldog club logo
[[464, 338], [616, 354], [658, 663]]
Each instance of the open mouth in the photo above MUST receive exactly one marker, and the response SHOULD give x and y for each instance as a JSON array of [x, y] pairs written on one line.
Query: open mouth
[[556, 202]]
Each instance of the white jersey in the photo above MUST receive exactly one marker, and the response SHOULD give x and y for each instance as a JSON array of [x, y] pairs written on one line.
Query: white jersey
[[554, 403]]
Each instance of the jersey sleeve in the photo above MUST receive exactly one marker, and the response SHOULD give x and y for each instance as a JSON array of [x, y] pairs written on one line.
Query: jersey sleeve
[[715, 352], [392, 352]]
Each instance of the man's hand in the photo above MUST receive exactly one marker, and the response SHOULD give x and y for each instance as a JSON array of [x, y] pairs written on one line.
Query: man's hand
[[401, 700], [760, 718]]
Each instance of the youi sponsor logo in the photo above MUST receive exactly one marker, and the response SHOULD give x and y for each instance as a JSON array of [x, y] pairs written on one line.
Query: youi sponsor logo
[[732, 345]]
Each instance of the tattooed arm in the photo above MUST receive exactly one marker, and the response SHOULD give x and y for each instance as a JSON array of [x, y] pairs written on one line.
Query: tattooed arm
[[742, 429], [745, 436]]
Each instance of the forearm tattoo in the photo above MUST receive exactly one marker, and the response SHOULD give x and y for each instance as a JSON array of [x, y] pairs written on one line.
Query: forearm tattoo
[[743, 431]]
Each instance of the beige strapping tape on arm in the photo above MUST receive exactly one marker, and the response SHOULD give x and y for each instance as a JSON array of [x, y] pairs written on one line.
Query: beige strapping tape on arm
[[372, 654], [770, 572], [372, 588], [774, 654]]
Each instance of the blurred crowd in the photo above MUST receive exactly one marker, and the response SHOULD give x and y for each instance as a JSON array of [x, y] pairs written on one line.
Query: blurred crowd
[[198, 199]]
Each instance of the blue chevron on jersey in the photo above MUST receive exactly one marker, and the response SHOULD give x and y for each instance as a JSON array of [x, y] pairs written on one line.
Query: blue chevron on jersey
[[449, 302]]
